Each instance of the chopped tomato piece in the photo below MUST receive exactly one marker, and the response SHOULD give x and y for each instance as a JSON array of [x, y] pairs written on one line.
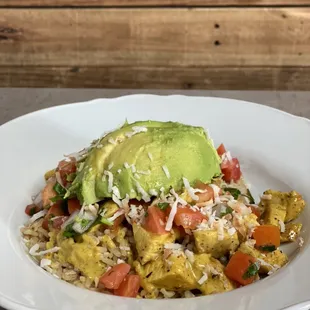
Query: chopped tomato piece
[[129, 287], [73, 205], [32, 209], [255, 210], [55, 210], [267, 237], [155, 220], [221, 150], [207, 195], [57, 222], [241, 268], [231, 170], [115, 276], [188, 218], [48, 192], [66, 168]]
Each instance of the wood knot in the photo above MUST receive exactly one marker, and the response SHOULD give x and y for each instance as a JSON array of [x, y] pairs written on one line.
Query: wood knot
[[9, 33]]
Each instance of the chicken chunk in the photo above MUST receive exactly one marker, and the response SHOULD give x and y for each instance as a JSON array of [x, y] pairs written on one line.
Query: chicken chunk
[[212, 271], [269, 261], [291, 201], [207, 241], [150, 246], [292, 231], [174, 273]]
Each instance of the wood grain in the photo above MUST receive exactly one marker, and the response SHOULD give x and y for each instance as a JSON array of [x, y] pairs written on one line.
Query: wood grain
[[216, 78], [154, 37], [145, 3], [208, 48]]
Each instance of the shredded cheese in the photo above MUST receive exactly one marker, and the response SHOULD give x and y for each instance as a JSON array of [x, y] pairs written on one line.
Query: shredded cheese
[[189, 189], [173, 246], [145, 195], [203, 279], [119, 171], [37, 216], [266, 197], [126, 165], [220, 230], [112, 141], [282, 226], [116, 192], [153, 192], [150, 156], [35, 248], [190, 255], [171, 216], [166, 171], [110, 180], [133, 168], [166, 293], [147, 172], [116, 215], [110, 166]]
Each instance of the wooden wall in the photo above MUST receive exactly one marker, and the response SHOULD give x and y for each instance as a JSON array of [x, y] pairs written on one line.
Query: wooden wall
[[182, 44]]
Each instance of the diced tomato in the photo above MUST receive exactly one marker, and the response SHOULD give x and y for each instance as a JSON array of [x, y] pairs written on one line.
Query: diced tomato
[[155, 220], [207, 195], [57, 222], [267, 236], [48, 192], [65, 168], [129, 287], [231, 170], [73, 205], [188, 218], [55, 210], [221, 150], [255, 210], [115, 276], [238, 269], [32, 209]]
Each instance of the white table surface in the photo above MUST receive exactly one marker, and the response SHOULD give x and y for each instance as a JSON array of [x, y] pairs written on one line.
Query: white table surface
[[15, 102]]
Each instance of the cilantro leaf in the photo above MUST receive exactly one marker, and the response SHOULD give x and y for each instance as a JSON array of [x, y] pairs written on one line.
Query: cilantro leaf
[[56, 198], [267, 248], [249, 195], [32, 211], [61, 191], [235, 192], [251, 271], [69, 232], [163, 205]]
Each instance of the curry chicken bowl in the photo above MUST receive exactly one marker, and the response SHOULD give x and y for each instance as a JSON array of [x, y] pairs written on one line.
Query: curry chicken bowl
[[154, 210]]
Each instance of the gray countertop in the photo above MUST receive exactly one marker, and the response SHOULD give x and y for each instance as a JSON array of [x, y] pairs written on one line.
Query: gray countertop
[[18, 101], [15, 102]]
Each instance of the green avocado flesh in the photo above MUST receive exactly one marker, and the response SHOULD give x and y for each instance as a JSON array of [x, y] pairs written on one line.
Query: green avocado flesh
[[147, 147]]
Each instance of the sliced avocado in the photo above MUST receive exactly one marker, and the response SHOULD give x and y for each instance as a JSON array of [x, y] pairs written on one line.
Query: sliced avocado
[[136, 156]]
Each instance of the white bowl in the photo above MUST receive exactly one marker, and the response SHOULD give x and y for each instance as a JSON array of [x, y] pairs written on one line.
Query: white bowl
[[272, 146]]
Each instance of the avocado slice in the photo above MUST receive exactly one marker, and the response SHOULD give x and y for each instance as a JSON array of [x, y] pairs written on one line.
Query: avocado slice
[[139, 159]]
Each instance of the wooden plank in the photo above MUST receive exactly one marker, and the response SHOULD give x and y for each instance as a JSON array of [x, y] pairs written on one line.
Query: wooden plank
[[215, 78], [132, 3], [155, 37]]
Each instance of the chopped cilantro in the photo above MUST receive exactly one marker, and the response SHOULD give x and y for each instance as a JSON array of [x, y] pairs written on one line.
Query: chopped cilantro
[[229, 210], [267, 248], [234, 191], [69, 232], [163, 205], [84, 223], [249, 195], [61, 191], [251, 271], [106, 222]]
